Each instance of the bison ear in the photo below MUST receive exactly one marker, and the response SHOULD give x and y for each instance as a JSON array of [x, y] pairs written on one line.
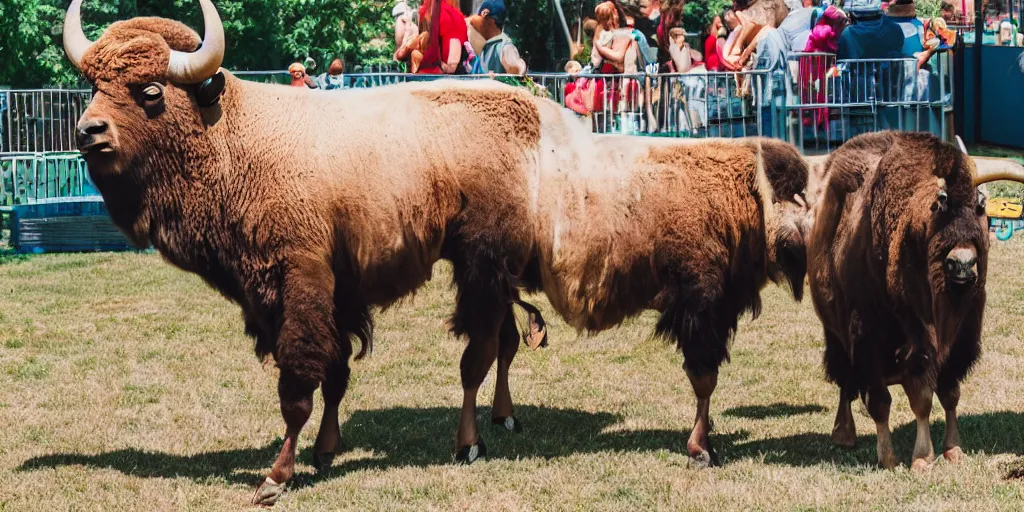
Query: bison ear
[[941, 197], [982, 200], [208, 92]]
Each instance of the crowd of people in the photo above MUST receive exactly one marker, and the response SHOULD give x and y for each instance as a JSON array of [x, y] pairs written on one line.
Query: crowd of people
[[464, 45], [632, 36]]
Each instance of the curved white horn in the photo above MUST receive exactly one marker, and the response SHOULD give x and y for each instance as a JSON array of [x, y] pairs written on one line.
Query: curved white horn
[[960, 142], [75, 41], [994, 169], [192, 68]]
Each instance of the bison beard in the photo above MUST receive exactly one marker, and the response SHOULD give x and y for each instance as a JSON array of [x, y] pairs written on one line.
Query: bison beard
[[896, 208]]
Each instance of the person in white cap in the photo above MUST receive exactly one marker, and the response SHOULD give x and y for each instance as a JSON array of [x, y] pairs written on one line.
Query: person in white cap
[[402, 15]]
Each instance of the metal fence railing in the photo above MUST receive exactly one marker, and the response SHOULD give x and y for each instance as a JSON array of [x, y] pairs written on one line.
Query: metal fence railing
[[40, 120], [669, 105], [32, 178], [829, 101], [817, 102]]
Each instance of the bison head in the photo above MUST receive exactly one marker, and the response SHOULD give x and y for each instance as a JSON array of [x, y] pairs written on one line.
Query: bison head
[[145, 74], [958, 228], [790, 216]]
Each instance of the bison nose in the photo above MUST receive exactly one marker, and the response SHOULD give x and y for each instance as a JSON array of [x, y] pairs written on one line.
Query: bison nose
[[92, 127], [962, 265], [93, 134]]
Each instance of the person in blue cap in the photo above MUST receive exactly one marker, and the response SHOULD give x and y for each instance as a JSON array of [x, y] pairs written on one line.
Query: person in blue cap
[[498, 55], [872, 35]]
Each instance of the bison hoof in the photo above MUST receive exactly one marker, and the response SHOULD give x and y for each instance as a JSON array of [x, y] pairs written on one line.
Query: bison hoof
[[322, 462], [954, 455], [703, 459], [509, 422], [537, 338], [267, 493], [469, 454], [921, 466], [845, 437]]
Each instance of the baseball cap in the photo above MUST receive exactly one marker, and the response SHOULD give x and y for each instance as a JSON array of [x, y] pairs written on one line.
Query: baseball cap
[[865, 6], [400, 9], [496, 8]]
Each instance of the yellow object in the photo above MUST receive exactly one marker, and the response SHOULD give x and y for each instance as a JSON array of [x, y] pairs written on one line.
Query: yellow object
[[1004, 208]]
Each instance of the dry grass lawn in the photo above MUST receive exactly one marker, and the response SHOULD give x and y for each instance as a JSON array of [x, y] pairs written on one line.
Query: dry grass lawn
[[126, 384]]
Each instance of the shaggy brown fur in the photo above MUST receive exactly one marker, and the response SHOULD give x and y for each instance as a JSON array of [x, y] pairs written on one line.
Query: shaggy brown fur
[[658, 225], [301, 207], [693, 230], [876, 271], [308, 228]]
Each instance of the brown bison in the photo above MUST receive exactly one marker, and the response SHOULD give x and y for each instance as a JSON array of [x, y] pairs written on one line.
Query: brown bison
[[307, 209], [897, 262]]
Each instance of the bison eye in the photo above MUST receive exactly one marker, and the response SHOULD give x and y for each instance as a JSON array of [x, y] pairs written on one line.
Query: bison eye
[[153, 92]]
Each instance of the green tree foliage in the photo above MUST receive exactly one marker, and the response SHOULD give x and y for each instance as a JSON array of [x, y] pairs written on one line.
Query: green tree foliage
[[261, 34], [697, 15]]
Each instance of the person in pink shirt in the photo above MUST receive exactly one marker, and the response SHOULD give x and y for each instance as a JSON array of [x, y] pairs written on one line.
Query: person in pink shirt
[[826, 29]]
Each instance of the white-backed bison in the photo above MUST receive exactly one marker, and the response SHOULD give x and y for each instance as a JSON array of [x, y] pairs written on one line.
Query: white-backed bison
[[897, 262], [307, 210], [692, 230]]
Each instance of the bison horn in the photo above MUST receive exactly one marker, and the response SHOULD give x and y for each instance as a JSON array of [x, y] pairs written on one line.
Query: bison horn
[[75, 41], [192, 68], [993, 169]]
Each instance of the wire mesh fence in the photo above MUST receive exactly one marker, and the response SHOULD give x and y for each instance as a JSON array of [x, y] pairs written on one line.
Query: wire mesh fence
[[40, 120]]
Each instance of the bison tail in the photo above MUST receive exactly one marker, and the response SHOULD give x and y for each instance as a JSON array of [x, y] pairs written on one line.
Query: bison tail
[[353, 319], [535, 334], [364, 333]]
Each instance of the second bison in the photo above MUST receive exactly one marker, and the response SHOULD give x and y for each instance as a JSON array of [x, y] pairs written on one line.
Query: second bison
[[897, 262]]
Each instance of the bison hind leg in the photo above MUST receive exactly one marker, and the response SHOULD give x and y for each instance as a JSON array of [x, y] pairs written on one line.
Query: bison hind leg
[[703, 337], [839, 370]]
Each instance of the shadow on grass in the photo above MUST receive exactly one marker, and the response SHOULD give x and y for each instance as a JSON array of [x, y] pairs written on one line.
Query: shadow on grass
[[778, 410], [398, 437], [992, 433], [423, 437]]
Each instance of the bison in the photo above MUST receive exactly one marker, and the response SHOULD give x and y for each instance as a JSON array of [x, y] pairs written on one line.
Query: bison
[[306, 209], [897, 263], [691, 230]]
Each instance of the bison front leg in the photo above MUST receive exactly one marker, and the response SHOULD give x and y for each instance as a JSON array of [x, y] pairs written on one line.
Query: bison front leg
[[477, 359], [508, 345], [879, 401], [306, 348], [329, 437], [949, 397], [920, 396], [699, 445]]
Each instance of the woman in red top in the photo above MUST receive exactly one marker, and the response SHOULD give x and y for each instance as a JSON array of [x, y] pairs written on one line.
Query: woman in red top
[[453, 35], [711, 58]]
